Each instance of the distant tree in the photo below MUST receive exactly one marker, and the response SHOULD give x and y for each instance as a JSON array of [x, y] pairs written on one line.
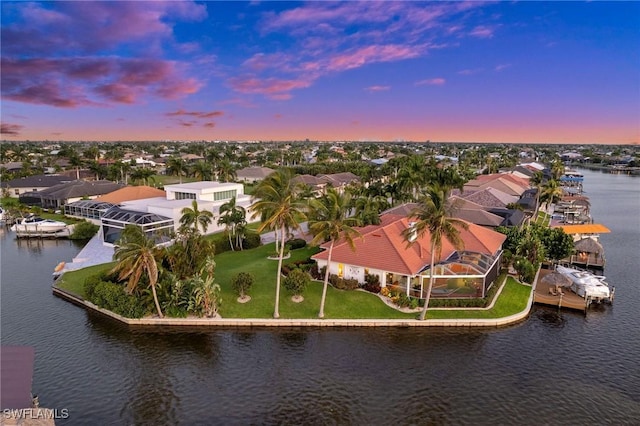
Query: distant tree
[[241, 283]]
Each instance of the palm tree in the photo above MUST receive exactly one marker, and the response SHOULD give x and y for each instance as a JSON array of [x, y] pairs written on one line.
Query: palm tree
[[136, 256], [193, 216], [176, 166], [367, 209], [550, 192], [328, 221], [201, 170], [432, 215], [225, 171], [143, 175], [411, 175], [278, 204], [75, 161], [231, 215]]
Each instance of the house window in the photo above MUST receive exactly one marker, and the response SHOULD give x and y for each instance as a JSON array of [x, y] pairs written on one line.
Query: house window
[[16, 191], [185, 196], [224, 195], [340, 269]]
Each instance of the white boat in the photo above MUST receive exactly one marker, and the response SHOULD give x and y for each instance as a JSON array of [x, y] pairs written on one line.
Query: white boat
[[3, 215], [38, 225], [586, 284]]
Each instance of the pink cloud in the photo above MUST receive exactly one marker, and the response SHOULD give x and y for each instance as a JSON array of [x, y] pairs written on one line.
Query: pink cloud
[[209, 124], [377, 88], [198, 114], [502, 67], [371, 54], [482, 31], [89, 27], [70, 82], [272, 88], [11, 129], [439, 81], [470, 71]]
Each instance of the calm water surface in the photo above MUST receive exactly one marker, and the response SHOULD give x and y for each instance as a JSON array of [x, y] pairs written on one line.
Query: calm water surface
[[554, 368]]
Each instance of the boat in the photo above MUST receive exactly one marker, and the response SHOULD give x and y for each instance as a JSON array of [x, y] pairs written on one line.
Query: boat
[[38, 225], [587, 285], [3, 215]]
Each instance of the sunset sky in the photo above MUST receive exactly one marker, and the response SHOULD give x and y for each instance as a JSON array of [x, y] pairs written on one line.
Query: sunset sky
[[552, 72]]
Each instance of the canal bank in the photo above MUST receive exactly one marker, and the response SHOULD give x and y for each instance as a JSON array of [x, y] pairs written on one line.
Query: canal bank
[[284, 322]]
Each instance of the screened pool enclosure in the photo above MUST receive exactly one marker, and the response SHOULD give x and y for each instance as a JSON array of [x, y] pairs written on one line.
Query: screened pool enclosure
[[114, 220]]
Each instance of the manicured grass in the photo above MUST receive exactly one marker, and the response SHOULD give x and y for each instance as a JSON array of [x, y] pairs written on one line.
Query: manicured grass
[[162, 180], [73, 281], [512, 300], [339, 303]]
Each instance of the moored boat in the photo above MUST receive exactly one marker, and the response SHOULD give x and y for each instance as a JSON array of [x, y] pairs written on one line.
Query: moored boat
[[588, 285], [36, 224]]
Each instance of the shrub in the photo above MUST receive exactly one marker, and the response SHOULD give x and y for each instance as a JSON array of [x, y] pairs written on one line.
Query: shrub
[[241, 283], [113, 297], [372, 283], [342, 283], [384, 291], [84, 230], [251, 240], [296, 282], [296, 243]]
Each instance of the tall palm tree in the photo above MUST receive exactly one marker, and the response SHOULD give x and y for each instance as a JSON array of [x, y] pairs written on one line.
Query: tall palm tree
[[143, 175], [277, 202], [328, 221], [136, 256], [194, 217], [177, 166], [231, 215], [550, 192], [368, 208], [225, 171], [202, 171], [411, 175], [432, 215]]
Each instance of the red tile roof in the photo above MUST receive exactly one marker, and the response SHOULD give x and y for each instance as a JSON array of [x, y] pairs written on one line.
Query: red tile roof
[[383, 246], [129, 193]]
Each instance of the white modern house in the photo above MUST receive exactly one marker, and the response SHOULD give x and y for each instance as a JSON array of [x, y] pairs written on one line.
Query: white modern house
[[155, 214]]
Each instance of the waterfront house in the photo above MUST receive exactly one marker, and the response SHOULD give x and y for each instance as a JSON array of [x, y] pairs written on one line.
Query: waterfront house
[[16, 187], [383, 251], [253, 174], [58, 195], [161, 215]]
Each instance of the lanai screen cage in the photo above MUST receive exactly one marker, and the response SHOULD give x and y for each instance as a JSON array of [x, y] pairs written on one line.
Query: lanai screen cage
[[153, 225], [463, 275], [88, 209]]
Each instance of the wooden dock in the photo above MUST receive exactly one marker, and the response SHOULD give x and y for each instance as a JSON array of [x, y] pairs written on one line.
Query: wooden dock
[[28, 233], [568, 299]]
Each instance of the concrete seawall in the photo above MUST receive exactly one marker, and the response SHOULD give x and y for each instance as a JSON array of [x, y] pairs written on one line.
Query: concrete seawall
[[267, 322]]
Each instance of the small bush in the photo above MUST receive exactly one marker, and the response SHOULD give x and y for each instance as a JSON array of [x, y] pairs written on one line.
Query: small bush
[[241, 283], [84, 230], [296, 282], [372, 283], [113, 297], [342, 283], [251, 240], [296, 243]]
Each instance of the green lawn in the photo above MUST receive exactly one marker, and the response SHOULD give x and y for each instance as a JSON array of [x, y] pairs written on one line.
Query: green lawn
[[512, 300], [543, 218], [74, 281], [340, 304]]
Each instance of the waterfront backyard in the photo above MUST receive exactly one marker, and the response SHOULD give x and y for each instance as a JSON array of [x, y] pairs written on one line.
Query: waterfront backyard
[[341, 304]]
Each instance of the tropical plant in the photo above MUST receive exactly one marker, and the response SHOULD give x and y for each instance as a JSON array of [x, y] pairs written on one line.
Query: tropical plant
[[233, 217], [202, 171], [277, 203], [432, 215], [241, 283], [551, 192], [194, 217], [136, 257], [225, 171], [328, 221], [177, 166], [142, 174], [368, 209], [296, 282]]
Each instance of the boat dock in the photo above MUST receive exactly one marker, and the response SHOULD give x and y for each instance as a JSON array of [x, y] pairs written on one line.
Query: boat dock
[[23, 232], [548, 294]]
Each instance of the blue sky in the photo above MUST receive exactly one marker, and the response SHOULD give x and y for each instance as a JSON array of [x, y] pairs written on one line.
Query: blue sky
[[566, 72]]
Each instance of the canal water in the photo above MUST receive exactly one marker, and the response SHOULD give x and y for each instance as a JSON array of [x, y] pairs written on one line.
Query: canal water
[[554, 368]]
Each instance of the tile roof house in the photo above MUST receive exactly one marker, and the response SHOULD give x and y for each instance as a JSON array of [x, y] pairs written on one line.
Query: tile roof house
[[16, 187], [129, 193], [253, 174], [383, 251], [491, 197], [64, 193]]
